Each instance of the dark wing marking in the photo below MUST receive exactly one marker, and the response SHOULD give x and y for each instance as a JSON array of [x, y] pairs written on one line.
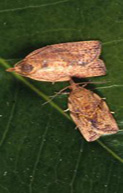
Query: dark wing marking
[[85, 127], [103, 121]]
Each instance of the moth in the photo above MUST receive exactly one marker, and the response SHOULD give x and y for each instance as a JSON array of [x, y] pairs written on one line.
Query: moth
[[90, 113], [60, 62]]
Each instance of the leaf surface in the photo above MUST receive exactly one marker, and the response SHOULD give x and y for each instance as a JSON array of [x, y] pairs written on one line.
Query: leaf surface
[[40, 151]]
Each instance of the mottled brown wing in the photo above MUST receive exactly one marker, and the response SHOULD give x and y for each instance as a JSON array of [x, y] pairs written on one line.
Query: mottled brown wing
[[90, 113], [59, 62], [95, 68], [80, 115], [75, 53], [85, 127], [102, 120]]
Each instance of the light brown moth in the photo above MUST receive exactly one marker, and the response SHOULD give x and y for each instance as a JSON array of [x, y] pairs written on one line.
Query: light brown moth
[[90, 113], [60, 62]]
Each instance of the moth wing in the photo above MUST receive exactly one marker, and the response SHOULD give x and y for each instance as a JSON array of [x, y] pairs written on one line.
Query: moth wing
[[95, 68], [85, 127], [103, 121], [75, 53]]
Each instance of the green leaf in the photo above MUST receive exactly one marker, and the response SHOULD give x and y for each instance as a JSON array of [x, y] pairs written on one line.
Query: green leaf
[[40, 151]]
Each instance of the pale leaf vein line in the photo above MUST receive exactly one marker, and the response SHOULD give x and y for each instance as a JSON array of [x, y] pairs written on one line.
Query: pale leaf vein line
[[108, 178], [38, 157], [4, 188], [76, 168], [110, 86], [16, 161], [32, 6], [19, 149], [9, 120], [112, 42], [118, 180]]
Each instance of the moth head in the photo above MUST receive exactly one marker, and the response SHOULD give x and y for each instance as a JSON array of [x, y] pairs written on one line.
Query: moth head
[[23, 67]]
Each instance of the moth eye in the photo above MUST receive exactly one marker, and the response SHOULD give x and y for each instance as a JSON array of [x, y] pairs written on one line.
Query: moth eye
[[26, 68]]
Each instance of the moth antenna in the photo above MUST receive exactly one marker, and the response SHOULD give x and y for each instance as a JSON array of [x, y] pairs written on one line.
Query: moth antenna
[[55, 95], [73, 84]]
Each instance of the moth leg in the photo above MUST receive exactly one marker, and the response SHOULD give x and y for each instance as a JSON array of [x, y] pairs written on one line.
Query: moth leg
[[54, 96], [85, 84], [66, 110], [112, 112], [76, 128], [51, 98], [58, 93], [104, 98], [65, 93]]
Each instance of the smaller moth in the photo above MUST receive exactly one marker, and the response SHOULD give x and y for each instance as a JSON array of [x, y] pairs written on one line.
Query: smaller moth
[[90, 113], [60, 62]]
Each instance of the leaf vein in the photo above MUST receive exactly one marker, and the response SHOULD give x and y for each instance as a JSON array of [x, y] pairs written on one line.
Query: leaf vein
[[4, 188], [9, 120], [32, 6], [110, 86], [112, 42], [38, 156], [76, 168], [108, 178]]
